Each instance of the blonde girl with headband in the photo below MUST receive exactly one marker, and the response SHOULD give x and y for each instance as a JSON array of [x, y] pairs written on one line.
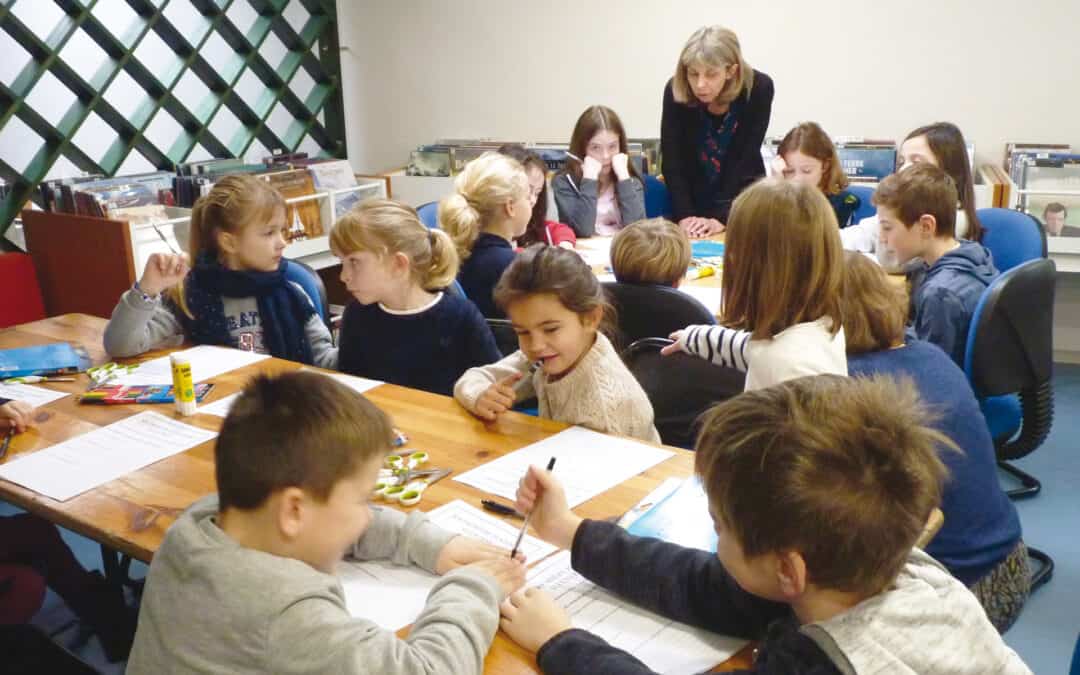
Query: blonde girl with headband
[[235, 293], [559, 312], [403, 326], [489, 208], [716, 110]]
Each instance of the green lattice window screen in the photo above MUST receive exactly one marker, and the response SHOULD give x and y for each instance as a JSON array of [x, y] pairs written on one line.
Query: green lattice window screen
[[120, 86]]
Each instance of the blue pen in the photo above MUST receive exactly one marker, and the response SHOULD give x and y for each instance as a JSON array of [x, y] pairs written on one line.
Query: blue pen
[[7, 442]]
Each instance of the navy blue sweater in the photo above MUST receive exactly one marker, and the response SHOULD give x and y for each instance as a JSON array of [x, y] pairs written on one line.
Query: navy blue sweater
[[491, 255], [685, 584], [981, 525], [428, 350], [944, 296], [844, 204]]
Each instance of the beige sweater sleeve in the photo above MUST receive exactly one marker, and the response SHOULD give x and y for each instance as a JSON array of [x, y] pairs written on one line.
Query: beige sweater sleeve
[[475, 381]]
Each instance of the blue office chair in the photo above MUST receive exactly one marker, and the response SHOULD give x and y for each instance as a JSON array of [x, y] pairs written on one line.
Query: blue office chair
[[303, 274], [429, 214], [1010, 349], [657, 199], [1012, 236], [866, 207]]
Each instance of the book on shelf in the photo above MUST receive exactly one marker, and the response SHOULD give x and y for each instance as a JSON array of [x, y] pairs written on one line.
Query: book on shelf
[[1016, 154], [303, 220], [650, 151], [336, 175], [867, 161], [430, 162]]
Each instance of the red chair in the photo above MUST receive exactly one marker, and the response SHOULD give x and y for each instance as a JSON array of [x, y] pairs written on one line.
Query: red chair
[[22, 303]]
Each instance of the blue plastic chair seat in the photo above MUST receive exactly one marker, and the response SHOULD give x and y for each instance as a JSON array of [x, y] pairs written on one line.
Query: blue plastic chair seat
[[1002, 415]]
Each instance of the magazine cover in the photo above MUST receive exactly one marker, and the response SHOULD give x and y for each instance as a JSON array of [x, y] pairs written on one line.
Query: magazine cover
[[303, 216], [336, 175]]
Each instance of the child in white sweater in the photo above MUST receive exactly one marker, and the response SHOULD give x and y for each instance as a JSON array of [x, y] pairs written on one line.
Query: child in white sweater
[[556, 305], [781, 289]]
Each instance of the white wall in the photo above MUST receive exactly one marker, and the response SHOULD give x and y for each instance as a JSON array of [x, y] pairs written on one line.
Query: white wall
[[415, 70]]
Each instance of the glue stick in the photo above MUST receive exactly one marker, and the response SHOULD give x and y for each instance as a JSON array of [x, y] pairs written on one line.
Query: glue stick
[[183, 388]]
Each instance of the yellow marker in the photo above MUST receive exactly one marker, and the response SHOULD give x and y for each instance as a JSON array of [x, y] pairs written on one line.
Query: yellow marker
[[701, 272], [183, 388]]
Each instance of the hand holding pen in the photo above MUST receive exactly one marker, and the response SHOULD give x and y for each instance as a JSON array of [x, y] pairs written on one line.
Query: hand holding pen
[[541, 497], [17, 417]]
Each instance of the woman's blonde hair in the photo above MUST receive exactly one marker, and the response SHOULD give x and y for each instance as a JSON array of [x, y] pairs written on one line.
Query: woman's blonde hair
[[782, 260], [385, 227], [716, 47], [480, 191], [235, 203], [811, 140], [875, 309]]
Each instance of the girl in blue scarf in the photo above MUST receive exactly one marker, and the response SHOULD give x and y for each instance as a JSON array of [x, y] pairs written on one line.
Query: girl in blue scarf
[[235, 295]]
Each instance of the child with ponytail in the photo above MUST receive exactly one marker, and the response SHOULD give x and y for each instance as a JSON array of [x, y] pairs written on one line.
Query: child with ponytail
[[489, 208], [403, 327]]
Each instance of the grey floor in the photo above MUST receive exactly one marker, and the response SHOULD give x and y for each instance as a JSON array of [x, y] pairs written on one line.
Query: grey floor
[[1045, 634]]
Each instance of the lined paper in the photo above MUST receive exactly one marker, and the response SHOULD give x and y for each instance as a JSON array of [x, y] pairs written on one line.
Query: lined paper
[[29, 394], [83, 463]]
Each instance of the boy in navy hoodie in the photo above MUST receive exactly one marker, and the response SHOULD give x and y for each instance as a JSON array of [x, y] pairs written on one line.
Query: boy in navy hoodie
[[917, 213]]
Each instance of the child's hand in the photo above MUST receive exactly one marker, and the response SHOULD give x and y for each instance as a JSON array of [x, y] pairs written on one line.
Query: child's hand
[[463, 550], [541, 493], [679, 345], [510, 574], [620, 165], [779, 167], [163, 271], [498, 398], [590, 168], [16, 414], [531, 617]]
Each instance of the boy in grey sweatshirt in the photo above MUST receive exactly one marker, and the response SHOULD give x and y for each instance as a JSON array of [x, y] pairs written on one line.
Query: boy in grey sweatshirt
[[244, 581]]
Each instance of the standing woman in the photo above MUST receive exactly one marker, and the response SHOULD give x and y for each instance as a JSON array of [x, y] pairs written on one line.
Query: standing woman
[[716, 111]]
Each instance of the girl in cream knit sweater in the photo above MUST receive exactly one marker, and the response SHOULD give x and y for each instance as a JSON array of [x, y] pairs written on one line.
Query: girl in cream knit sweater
[[556, 305]]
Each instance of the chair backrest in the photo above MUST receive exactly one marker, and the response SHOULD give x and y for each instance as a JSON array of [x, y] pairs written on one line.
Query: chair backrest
[[651, 310], [429, 214], [1010, 340], [657, 199], [866, 206], [311, 282], [505, 337], [1012, 236], [680, 387], [21, 301]]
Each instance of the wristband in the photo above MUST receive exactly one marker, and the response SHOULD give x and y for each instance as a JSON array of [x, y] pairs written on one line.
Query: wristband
[[145, 296]]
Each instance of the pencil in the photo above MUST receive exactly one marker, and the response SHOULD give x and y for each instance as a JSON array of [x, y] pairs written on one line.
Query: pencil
[[173, 250], [525, 525], [7, 442]]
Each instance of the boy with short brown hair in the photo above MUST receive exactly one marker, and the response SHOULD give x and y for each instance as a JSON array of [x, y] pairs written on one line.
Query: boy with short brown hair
[[917, 215], [244, 581], [818, 488], [652, 251]]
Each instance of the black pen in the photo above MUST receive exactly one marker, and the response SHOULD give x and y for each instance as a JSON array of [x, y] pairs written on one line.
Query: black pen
[[7, 442], [525, 525], [501, 509]]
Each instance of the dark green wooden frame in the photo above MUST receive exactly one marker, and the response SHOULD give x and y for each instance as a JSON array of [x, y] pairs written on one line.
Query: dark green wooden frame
[[194, 117]]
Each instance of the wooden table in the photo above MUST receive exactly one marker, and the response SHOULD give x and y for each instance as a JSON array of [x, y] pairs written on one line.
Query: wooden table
[[131, 514]]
